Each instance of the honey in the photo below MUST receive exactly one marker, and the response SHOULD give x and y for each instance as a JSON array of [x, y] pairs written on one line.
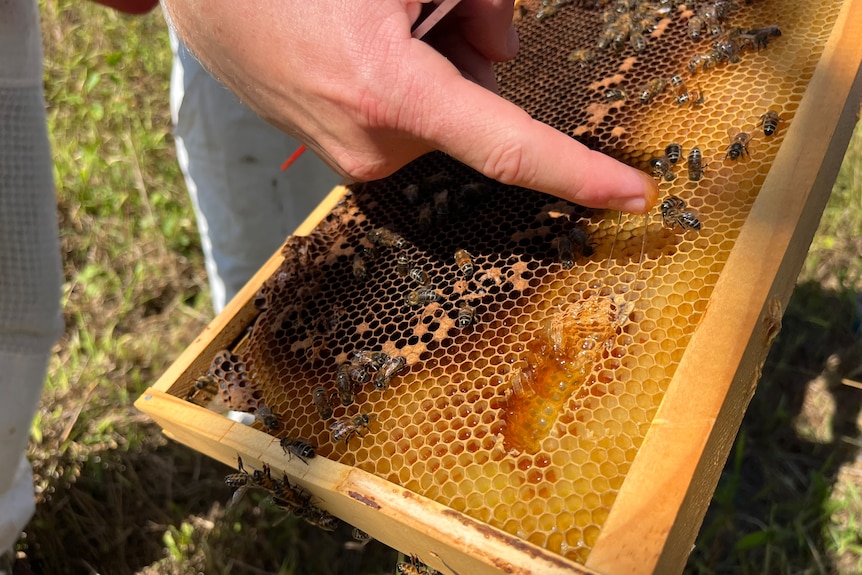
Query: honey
[[557, 364], [545, 464]]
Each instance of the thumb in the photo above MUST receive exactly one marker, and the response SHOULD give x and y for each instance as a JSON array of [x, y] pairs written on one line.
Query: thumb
[[503, 142]]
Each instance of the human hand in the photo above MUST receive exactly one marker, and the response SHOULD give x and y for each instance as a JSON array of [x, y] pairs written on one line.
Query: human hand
[[347, 78]]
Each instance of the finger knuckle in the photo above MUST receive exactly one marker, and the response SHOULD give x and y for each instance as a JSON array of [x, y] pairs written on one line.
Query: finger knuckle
[[507, 163], [365, 170]]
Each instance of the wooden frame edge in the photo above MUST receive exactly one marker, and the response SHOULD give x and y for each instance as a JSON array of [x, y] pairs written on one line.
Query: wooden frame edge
[[226, 327], [393, 514], [749, 297]]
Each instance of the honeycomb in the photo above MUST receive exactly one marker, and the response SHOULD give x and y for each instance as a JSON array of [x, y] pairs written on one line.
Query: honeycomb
[[532, 378]]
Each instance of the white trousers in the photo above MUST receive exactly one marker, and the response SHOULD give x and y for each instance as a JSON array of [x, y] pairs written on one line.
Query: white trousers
[[30, 273], [245, 205]]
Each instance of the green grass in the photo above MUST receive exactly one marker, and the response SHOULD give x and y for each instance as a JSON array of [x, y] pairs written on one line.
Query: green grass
[[115, 497], [130, 246], [788, 499]]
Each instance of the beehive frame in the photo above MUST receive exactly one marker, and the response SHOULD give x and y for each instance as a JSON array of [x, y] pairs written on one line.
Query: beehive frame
[[657, 511]]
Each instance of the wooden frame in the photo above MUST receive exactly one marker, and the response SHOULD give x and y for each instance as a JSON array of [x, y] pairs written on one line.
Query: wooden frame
[[655, 519]]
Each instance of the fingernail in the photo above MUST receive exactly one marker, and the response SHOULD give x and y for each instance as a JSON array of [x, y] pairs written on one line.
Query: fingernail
[[512, 42], [641, 203]]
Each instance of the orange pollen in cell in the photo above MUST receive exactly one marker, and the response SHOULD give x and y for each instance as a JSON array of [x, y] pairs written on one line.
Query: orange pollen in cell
[[556, 365]]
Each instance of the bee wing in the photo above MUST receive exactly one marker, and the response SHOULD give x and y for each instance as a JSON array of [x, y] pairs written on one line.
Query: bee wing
[[731, 134], [237, 496]]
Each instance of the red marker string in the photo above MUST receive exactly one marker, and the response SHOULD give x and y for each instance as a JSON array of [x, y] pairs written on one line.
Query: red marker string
[[293, 157]]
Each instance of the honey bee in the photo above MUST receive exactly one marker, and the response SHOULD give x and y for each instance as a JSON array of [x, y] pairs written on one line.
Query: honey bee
[[389, 370], [419, 276], [759, 37], [546, 11], [738, 147], [321, 403], [620, 32], [674, 213], [289, 497], [670, 208], [374, 360], [318, 517], [695, 26], [769, 121], [466, 312], [344, 384], [695, 165], [637, 41], [652, 89], [414, 567], [298, 447], [605, 40], [702, 61], [436, 181], [582, 57], [677, 82], [565, 252], [714, 14], [673, 152], [693, 98], [661, 167], [203, 390], [347, 427], [464, 261], [360, 271], [358, 373], [385, 238], [688, 220], [423, 296], [425, 217], [616, 95], [297, 248], [265, 415], [263, 478], [370, 253], [240, 478], [581, 241], [411, 193], [240, 482], [727, 48], [441, 203], [360, 535], [402, 266]]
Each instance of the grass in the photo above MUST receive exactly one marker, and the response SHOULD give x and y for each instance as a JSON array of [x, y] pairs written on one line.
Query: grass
[[115, 497], [788, 499]]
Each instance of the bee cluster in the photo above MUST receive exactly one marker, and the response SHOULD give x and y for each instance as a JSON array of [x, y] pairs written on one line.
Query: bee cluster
[[286, 496], [628, 23], [706, 19], [730, 45], [674, 210], [449, 279]]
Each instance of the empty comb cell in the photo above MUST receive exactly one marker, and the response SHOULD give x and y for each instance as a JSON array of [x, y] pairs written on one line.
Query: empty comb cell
[[542, 406]]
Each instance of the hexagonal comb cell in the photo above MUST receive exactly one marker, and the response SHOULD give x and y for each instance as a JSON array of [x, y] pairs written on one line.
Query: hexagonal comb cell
[[532, 339]]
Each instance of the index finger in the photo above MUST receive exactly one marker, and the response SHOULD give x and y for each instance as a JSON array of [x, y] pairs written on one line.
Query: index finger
[[502, 141]]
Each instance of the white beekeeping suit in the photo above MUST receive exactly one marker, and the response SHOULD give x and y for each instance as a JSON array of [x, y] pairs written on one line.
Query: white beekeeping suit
[[245, 205], [30, 272]]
